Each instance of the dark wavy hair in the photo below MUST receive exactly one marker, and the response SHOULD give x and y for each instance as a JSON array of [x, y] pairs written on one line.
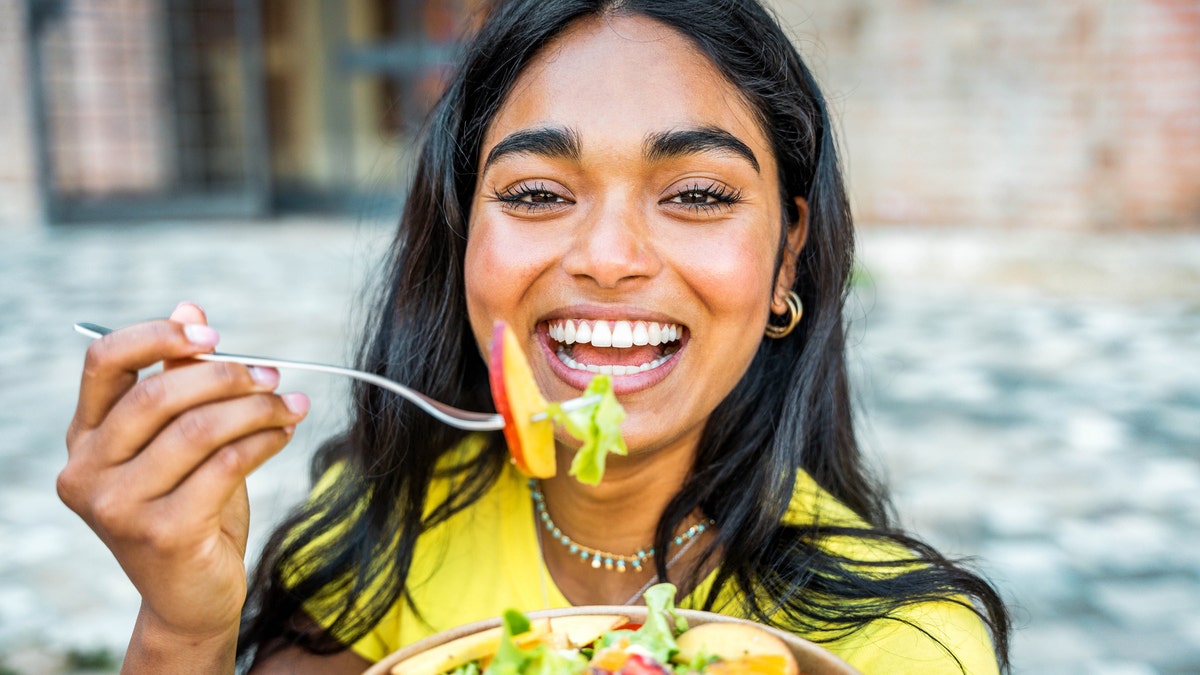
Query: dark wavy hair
[[790, 412]]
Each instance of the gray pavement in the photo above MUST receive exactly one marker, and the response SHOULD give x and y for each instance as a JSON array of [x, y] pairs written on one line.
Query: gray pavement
[[1034, 399]]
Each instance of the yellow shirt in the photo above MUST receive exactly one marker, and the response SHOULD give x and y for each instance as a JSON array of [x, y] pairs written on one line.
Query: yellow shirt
[[486, 559]]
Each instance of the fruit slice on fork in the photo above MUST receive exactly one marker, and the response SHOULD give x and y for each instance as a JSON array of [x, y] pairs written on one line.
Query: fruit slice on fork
[[519, 400]]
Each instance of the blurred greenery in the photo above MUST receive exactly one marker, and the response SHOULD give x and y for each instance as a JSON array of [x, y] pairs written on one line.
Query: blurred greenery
[[860, 276], [91, 659]]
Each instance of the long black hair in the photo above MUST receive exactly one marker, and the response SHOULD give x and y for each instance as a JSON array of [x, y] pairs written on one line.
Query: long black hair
[[790, 412]]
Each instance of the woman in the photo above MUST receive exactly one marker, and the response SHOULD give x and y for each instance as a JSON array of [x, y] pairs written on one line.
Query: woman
[[596, 169]]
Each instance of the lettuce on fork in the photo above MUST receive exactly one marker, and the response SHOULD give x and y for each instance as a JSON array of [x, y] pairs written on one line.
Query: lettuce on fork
[[598, 426]]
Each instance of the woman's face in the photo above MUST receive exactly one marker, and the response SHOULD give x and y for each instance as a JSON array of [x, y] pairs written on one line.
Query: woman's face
[[626, 219]]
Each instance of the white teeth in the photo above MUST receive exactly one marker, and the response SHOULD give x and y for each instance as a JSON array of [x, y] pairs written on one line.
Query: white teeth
[[610, 370], [601, 334], [640, 336], [622, 335], [619, 334]]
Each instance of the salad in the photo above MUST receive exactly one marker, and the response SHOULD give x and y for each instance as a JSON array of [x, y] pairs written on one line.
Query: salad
[[609, 645]]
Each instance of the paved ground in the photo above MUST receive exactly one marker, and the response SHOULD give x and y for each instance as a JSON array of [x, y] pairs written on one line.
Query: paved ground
[[1034, 398]]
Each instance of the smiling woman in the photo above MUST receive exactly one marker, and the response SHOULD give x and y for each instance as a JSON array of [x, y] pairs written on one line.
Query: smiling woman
[[647, 189]]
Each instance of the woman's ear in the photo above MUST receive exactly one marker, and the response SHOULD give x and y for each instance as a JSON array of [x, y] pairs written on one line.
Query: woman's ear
[[797, 234]]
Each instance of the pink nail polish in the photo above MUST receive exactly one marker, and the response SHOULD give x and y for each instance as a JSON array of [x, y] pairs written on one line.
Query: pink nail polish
[[296, 402], [267, 377], [199, 334]]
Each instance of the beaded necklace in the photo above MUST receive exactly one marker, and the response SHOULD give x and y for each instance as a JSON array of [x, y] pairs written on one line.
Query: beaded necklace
[[598, 558]]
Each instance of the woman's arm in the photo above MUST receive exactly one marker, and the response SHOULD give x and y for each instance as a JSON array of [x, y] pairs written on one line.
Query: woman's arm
[[155, 648], [157, 467]]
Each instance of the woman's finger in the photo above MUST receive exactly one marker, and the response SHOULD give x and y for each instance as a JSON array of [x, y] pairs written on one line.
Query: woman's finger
[[151, 404], [218, 479], [112, 363], [190, 441], [186, 313]]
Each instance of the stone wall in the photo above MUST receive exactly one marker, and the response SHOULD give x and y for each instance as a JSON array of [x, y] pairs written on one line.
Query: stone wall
[[106, 99], [1022, 113], [18, 194]]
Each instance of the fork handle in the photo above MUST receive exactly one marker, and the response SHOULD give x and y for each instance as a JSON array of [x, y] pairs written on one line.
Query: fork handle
[[447, 414]]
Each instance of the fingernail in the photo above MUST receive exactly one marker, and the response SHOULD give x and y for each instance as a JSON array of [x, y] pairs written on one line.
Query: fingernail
[[186, 311], [297, 403], [289, 429], [199, 334], [267, 377]]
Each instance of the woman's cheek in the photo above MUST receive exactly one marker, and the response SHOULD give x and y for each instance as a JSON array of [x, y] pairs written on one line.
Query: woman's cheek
[[501, 267], [734, 275], [477, 271]]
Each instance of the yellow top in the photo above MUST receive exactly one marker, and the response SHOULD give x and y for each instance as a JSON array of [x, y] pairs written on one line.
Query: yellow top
[[486, 559]]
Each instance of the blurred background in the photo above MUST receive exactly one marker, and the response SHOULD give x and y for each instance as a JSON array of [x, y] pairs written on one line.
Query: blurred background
[[1025, 322]]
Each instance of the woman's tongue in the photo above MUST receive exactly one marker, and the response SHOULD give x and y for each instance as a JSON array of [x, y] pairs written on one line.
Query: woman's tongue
[[612, 356]]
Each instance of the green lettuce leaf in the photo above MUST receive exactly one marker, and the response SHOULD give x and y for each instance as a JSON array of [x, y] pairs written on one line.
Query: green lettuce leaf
[[471, 668], [598, 426], [546, 661], [510, 659], [539, 659], [657, 634]]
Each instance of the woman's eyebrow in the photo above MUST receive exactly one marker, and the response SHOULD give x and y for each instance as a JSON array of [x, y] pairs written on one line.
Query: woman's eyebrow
[[680, 142], [547, 142]]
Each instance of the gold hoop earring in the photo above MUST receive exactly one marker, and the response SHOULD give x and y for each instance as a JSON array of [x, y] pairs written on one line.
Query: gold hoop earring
[[795, 311]]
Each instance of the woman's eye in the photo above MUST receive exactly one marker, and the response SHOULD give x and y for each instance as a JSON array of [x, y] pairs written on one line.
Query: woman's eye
[[530, 198], [706, 197], [540, 197], [696, 197]]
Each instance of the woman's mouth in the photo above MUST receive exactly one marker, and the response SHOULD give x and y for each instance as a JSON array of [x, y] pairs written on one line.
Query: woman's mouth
[[640, 352]]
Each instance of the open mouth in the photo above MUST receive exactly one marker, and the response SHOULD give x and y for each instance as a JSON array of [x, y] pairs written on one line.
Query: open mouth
[[614, 347]]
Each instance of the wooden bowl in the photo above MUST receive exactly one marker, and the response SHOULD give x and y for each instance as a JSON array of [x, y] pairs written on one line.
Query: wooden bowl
[[812, 658]]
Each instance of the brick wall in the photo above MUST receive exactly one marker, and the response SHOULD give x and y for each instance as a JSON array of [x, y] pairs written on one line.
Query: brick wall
[[105, 98], [1014, 113], [18, 194], [1023, 113]]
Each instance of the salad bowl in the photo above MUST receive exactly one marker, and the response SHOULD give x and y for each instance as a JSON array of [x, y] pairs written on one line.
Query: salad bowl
[[812, 658]]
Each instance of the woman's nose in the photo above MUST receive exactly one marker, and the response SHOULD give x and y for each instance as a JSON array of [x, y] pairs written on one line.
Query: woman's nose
[[612, 246]]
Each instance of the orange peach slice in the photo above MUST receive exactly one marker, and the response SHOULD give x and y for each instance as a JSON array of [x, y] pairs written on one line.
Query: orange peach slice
[[482, 645], [742, 648], [517, 399]]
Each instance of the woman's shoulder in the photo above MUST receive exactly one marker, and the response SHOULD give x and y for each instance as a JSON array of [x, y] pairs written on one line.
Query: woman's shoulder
[[840, 531], [944, 636], [812, 504], [928, 636]]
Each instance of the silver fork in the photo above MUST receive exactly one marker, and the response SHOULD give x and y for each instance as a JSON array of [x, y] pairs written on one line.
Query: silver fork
[[455, 417]]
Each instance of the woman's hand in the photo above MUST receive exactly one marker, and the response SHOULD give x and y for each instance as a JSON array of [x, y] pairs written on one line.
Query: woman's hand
[[157, 468]]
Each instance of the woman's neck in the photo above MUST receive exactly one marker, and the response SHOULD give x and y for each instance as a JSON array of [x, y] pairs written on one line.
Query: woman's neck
[[618, 516]]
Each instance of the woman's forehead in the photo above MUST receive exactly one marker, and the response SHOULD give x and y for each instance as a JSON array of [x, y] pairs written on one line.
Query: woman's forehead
[[624, 79]]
